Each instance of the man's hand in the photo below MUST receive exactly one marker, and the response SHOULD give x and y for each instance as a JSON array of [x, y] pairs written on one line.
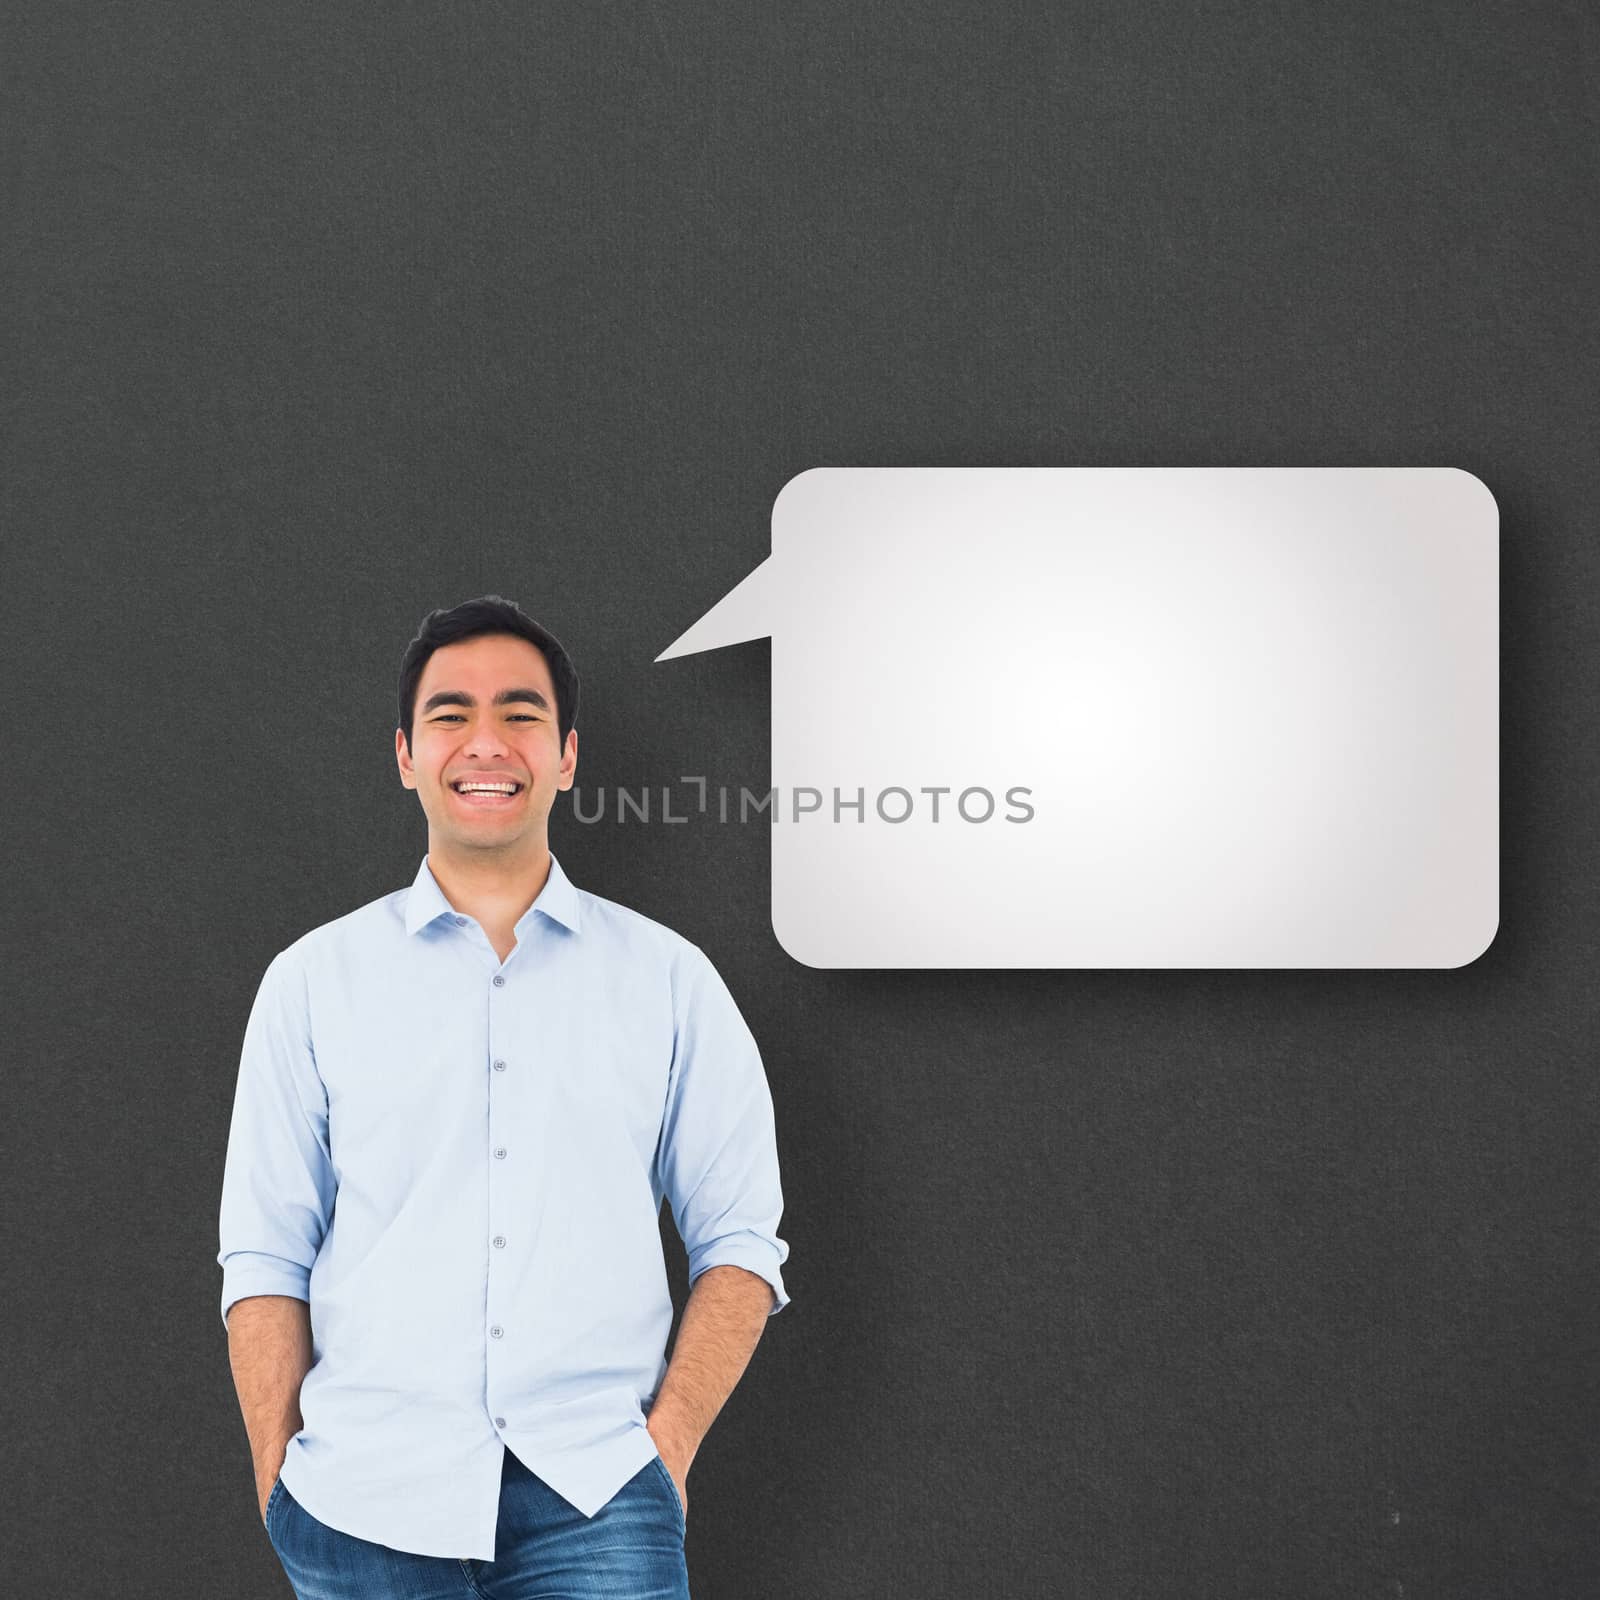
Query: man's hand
[[676, 1461]]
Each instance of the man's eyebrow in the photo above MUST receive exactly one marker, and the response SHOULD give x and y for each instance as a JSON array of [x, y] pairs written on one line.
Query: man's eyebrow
[[457, 697]]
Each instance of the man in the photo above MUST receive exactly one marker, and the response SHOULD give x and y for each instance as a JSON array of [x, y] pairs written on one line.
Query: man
[[458, 1110]]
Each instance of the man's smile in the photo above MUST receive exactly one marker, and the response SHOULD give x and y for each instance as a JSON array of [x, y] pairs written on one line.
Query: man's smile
[[487, 794]]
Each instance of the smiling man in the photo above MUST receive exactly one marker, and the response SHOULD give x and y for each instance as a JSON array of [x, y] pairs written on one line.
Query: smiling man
[[458, 1111]]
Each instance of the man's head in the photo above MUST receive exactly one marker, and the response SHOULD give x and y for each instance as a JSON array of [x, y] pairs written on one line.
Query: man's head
[[487, 696]]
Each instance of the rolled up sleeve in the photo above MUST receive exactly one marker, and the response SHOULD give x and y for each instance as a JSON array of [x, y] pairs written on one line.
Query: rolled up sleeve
[[278, 1182], [718, 1158]]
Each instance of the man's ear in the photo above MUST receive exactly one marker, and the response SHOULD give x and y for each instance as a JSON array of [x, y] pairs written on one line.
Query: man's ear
[[402, 757], [569, 762]]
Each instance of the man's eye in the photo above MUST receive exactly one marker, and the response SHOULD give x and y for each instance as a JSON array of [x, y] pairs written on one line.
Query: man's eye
[[520, 716]]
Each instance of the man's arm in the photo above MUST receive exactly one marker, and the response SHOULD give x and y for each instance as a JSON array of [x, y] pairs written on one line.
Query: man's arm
[[269, 1348], [278, 1194], [717, 1163], [721, 1326]]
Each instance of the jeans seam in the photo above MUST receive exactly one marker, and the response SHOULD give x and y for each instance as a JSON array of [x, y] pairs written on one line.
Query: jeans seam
[[471, 1582]]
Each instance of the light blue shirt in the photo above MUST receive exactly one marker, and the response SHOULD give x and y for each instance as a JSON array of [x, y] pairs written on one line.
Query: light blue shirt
[[460, 1164]]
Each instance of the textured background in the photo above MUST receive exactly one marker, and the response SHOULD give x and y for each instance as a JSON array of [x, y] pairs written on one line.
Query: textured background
[[1115, 1284]]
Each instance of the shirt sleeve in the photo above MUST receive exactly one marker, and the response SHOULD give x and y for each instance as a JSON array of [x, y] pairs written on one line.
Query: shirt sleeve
[[278, 1182], [718, 1157]]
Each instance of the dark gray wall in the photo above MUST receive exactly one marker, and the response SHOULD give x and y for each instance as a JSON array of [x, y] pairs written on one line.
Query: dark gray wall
[[1118, 1284]]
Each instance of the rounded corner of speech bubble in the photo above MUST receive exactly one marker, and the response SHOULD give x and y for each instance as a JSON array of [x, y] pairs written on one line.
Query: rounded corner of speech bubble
[[1479, 490], [795, 488], [790, 941], [1478, 945]]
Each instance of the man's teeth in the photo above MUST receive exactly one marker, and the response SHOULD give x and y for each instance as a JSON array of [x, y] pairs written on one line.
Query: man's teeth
[[486, 788]]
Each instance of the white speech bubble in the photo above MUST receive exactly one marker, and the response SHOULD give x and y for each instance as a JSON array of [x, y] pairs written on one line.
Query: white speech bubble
[[1256, 711]]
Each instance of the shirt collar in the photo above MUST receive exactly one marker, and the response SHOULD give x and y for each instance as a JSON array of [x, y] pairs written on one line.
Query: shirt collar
[[425, 901]]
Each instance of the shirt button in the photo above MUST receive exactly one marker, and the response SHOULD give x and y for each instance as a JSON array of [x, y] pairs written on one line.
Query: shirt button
[[461, 922], [499, 1066], [499, 982], [499, 1152], [496, 1331], [499, 1241], [499, 1422]]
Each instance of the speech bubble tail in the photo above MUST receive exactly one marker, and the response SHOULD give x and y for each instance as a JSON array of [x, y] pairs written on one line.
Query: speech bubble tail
[[743, 613]]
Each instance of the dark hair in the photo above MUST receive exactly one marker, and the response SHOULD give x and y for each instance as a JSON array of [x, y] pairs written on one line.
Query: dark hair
[[487, 614]]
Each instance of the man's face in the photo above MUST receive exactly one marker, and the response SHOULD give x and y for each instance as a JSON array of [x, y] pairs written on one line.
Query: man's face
[[486, 711]]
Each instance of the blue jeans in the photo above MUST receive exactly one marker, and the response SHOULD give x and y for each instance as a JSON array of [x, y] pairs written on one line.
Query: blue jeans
[[544, 1549]]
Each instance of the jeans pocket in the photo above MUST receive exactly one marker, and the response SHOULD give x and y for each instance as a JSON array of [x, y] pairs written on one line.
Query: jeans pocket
[[272, 1502], [672, 1489]]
